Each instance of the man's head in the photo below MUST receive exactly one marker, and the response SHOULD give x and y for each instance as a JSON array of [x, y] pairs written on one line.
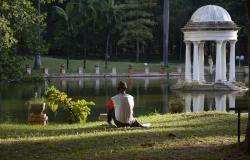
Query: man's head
[[122, 86]]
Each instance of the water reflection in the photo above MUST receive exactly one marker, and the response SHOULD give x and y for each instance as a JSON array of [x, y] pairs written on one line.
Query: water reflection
[[246, 80], [151, 95], [63, 85], [200, 102], [80, 83], [146, 83], [165, 96], [97, 86], [114, 81]]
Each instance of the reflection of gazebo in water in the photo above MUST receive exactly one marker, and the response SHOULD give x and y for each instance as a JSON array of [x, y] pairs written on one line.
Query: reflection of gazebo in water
[[210, 23]]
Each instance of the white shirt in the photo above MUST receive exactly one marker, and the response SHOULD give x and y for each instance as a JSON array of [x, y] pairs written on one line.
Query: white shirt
[[123, 105]]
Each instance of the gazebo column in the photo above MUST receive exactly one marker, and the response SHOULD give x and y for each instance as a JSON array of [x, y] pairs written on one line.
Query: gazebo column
[[232, 61], [196, 72], [224, 61], [188, 73], [201, 61], [218, 75]]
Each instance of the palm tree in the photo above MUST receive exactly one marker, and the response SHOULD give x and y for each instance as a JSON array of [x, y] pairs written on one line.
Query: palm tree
[[166, 9], [65, 15], [248, 125], [87, 10], [110, 13]]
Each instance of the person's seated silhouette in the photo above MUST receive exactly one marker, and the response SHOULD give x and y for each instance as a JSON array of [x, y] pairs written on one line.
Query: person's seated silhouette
[[120, 108]]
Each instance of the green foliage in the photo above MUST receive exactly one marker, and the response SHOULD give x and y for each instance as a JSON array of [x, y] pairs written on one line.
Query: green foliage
[[136, 26], [7, 38], [78, 110], [129, 21], [32, 78], [176, 104], [18, 36], [21, 21], [36, 100], [10, 68], [61, 13]]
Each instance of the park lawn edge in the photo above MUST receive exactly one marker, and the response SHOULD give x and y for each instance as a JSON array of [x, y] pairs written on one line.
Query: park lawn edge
[[208, 135]]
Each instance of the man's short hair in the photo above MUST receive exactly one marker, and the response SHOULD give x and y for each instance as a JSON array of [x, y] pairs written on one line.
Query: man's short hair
[[122, 86]]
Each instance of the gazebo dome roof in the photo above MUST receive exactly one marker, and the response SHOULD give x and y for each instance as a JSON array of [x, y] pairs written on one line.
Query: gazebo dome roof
[[211, 13], [210, 17]]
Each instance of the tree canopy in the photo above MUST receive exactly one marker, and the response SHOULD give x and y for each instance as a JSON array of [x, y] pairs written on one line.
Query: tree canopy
[[105, 29]]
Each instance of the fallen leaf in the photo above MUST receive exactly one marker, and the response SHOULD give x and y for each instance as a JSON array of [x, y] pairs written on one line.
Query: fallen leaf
[[147, 145]]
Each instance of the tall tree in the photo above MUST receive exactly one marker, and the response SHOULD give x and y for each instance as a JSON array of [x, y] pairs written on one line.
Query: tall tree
[[84, 14], [166, 11], [248, 125], [18, 28], [110, 15], [66, 15], [137, 26], [87, 10], [38, 62]]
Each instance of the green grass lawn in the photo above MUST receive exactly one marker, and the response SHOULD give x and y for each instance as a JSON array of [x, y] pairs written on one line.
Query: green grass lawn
[[122, 67], [187, 136]]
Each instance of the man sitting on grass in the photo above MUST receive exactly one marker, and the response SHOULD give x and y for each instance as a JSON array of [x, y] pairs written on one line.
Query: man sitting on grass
[[120, 108]]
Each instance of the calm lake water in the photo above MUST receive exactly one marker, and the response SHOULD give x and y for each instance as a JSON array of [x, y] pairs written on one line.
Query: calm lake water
[[151, 95]]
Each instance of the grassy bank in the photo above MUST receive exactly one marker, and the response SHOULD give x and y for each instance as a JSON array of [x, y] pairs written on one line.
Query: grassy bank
[[205, 136], [122, 67]]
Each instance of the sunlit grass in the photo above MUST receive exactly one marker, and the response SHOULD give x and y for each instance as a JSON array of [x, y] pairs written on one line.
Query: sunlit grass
[[173, 136]]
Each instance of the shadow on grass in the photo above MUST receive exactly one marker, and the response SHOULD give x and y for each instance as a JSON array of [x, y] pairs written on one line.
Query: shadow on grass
[[191, 125], [135, 145], [197, 137]]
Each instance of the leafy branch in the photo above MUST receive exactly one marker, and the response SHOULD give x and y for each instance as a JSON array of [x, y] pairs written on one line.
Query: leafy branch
[[78, 110]]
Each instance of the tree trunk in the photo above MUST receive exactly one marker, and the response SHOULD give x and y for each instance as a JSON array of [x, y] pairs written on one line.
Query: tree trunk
[[85, 53], [38, 62], [111, 50], [116, 50], [137, 51], [107, 50], [180, 57], [165, 32], [248, 124], [67, 60], [143, 52], [165, 94]]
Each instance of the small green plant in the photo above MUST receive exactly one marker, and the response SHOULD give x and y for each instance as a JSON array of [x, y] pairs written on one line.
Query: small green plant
[[36, 104], [78, 110], [36, 99], [176, 104]]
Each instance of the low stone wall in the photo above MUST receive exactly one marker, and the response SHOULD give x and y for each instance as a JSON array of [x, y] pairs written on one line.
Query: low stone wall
[[183, 86]]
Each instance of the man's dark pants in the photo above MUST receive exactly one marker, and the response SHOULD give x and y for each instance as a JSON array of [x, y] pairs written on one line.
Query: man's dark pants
[[111, 115]]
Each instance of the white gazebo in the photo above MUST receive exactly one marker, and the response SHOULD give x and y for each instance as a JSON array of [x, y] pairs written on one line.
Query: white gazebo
[[210, 23]]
